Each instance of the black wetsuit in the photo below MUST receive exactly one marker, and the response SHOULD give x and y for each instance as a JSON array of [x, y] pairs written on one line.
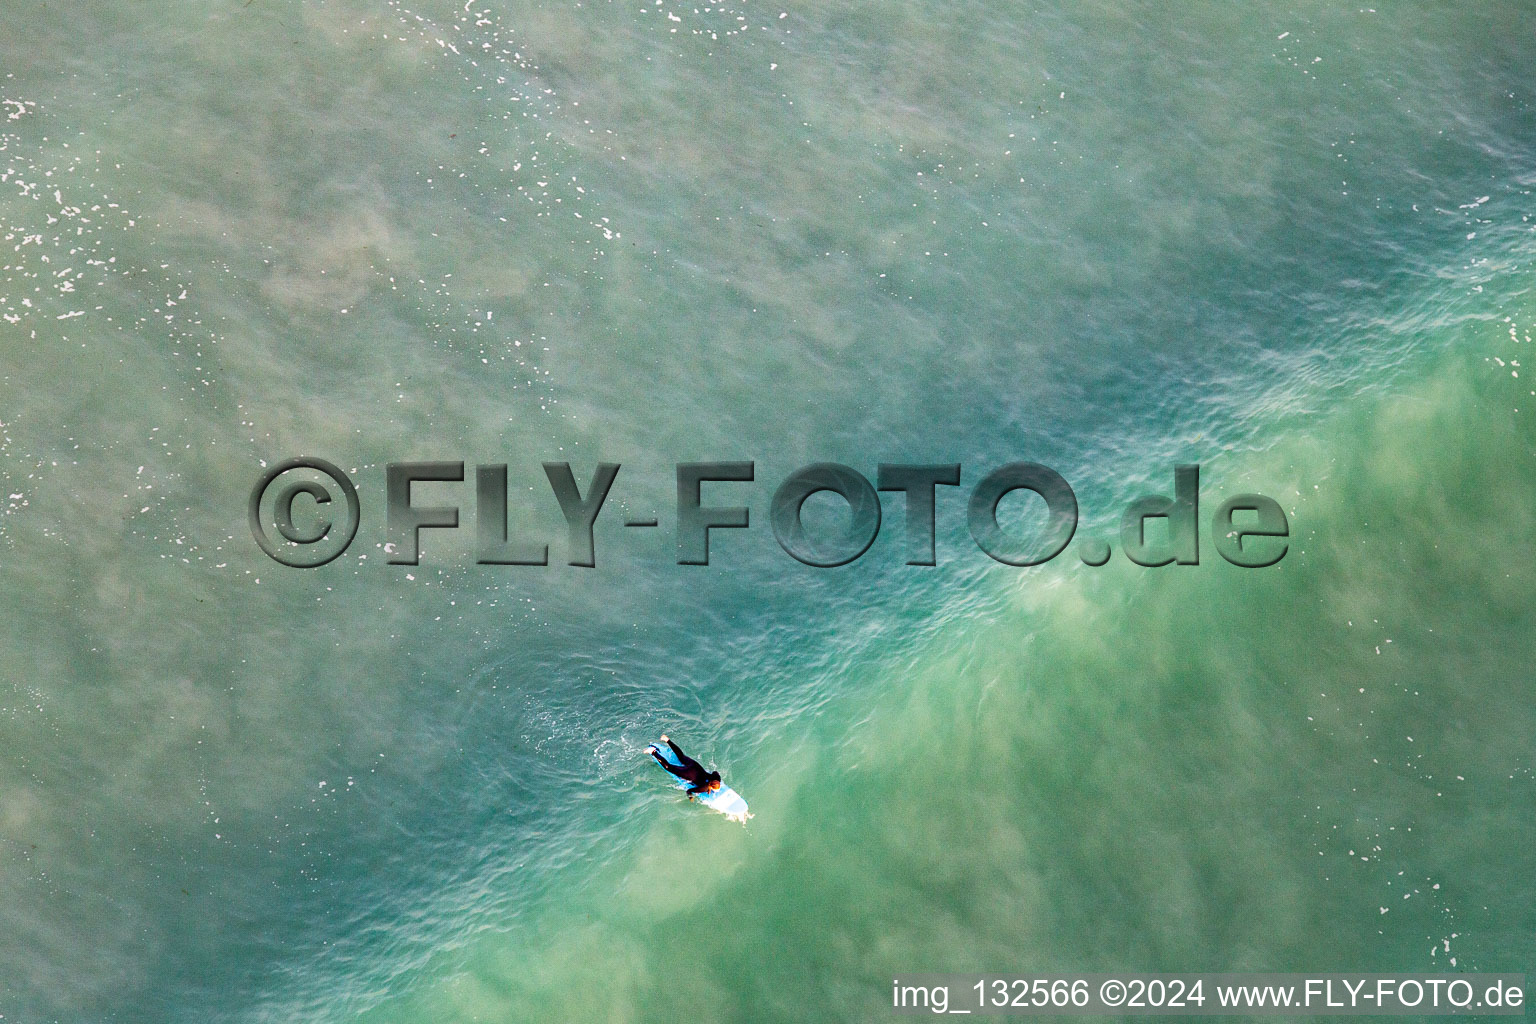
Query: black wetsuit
[[690, 770]]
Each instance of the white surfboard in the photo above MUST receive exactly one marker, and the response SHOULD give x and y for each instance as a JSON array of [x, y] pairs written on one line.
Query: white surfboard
[[725, 799]]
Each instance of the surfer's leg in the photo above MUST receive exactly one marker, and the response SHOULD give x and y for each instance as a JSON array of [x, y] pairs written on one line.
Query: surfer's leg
[[681, 773], [688, 762]]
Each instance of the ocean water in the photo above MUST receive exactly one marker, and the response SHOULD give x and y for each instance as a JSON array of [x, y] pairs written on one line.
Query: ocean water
[[1293, 245]]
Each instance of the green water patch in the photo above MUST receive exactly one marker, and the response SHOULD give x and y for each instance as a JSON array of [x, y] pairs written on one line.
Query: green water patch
[[1321, 766]]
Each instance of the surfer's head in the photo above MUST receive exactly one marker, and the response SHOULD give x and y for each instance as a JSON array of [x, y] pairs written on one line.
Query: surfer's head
[[714, 782]]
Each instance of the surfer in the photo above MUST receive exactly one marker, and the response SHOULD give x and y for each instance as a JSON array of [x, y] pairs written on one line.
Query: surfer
[[689, 771]]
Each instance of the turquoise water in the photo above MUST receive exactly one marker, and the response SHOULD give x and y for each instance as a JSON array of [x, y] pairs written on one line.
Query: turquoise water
[[1294, 246]]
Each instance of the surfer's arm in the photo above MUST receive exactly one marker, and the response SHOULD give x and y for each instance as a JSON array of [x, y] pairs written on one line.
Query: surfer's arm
[[696, 789]]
